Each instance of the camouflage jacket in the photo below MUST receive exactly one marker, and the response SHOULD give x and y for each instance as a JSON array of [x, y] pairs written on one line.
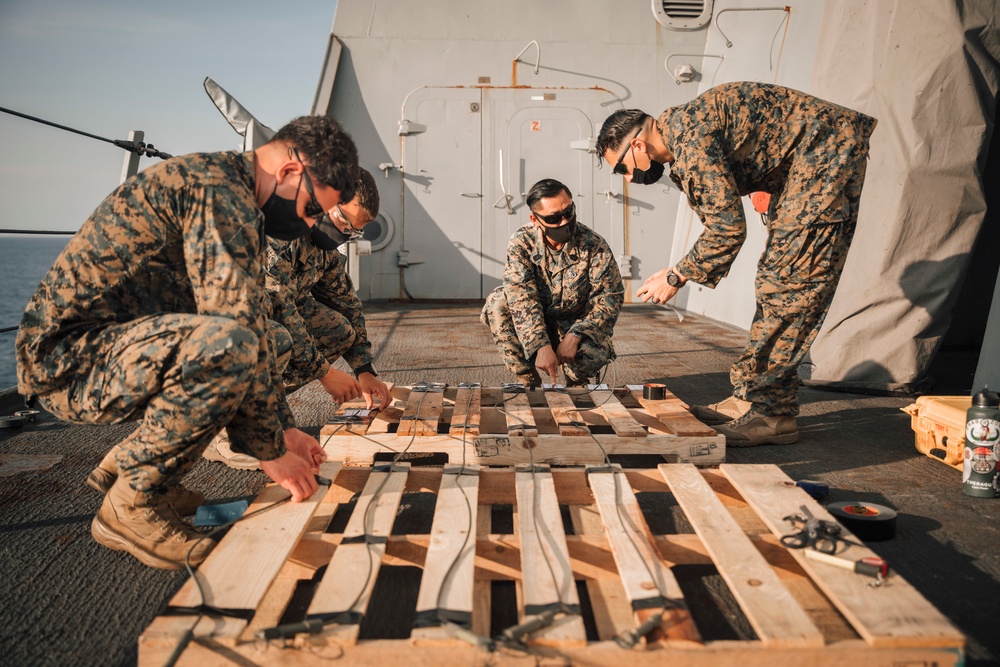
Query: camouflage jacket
[[739, 138], [579, 286], [183, 236], [299, 270]]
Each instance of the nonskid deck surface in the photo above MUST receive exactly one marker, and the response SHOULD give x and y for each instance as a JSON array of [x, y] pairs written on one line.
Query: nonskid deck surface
[[861, 446]]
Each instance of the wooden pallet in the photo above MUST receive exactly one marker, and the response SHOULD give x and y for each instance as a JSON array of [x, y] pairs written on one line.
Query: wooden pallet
[[551, 425], [802, 611]]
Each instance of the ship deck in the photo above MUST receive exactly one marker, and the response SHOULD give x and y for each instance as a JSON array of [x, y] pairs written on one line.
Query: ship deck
[[68, 600]]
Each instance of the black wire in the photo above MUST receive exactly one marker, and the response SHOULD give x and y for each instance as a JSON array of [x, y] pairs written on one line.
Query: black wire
[[138, 148], [37, 231]]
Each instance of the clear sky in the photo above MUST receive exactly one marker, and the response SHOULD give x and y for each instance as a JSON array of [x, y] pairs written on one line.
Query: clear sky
[[110, 66]]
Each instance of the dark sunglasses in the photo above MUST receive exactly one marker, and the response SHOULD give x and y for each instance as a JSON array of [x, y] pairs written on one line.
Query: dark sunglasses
[[313, 209], [568, 213], [619, 167]]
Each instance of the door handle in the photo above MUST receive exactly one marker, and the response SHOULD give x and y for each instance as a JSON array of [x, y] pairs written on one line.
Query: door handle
[[503, 188], [471, 194]]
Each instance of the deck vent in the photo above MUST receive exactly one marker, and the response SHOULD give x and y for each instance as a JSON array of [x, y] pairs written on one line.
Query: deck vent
[[682, 14]]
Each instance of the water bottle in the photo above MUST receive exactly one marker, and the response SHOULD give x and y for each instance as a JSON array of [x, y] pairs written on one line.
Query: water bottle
[[982, 446]]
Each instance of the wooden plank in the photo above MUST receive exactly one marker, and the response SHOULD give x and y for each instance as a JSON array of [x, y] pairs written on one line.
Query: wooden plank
[[379, 652], [482, 588], [465, 417], [448, 579], [503, 449], [565, 413], [350, 577], [546, 574], [357, 424], [672, 412], [773, 613], [893, 615], [612, 610], [617, 415], [259, 545], [517, 409], [645, 579], [422, 412]]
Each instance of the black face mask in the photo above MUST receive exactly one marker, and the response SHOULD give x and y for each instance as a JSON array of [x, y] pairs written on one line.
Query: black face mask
[[325, 234], [560, 234], [281, 217], [648, 176]]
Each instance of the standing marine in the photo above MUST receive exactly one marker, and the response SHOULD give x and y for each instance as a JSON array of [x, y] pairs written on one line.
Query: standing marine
[[810, 156], [156, 311], [561, 294]]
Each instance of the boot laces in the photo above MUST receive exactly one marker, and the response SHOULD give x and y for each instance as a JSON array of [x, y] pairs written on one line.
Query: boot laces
[[165, 517]]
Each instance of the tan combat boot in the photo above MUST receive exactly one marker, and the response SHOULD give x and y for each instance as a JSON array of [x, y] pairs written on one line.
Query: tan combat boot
[[721, 412], [219, 450], [103, 477], [147, 527], [754, 429]]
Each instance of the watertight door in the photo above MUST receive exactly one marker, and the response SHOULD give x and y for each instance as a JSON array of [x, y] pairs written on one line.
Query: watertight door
[[441, 254], [537, 133]]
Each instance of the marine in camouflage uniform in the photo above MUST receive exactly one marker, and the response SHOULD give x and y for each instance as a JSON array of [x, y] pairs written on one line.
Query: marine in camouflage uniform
[[738, 138], [314, 299], [550, 294], [156, 311]]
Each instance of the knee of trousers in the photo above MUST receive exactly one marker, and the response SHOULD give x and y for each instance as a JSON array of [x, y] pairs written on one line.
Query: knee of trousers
[[220, 350]]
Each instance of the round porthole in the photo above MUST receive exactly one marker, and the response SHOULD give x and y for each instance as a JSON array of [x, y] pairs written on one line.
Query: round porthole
[[379, 231]]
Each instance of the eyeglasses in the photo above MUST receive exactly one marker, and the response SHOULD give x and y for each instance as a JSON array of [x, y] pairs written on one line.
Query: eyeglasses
[[568, 213], [343, 216], [619, 167]]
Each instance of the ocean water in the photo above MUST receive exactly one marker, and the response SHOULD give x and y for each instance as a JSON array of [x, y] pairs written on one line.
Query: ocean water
[[24, 261]]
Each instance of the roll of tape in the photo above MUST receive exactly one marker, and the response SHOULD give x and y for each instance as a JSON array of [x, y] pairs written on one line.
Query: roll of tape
[[868, 521], [654, 391]]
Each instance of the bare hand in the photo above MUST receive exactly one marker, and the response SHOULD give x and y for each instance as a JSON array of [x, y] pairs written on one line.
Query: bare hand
[[372, 386], [656, 288], [547, 361], [306, 446], [567, 348], [340, 385], [293, 474]]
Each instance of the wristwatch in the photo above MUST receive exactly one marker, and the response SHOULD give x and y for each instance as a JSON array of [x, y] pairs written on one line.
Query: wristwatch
[[674, 279]]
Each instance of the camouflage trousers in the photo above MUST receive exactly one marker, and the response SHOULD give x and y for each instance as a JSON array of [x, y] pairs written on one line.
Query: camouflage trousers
[[590, 356], [183, 375], [332, 333], [797, 276]]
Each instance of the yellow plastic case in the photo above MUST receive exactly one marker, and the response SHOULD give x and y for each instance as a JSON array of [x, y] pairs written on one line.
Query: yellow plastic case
[[938, 424]]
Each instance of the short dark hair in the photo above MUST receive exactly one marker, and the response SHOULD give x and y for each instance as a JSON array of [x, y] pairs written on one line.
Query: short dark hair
[[617, 128], [367, 193], [543, 189], [327, 149]]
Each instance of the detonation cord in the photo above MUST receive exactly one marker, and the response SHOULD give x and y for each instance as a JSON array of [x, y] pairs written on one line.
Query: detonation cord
[[318, 622]]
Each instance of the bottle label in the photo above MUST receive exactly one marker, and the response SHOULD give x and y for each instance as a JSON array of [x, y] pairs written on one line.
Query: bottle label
[[982, 449]]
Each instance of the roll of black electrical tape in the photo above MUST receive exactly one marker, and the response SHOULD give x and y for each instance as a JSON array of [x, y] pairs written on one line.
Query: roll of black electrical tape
[[654, 391], [868, 521]]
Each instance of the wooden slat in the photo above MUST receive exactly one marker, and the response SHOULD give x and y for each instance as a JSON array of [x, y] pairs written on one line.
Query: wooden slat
[[891, 615], [258, 544], [617, 415], [642, 572], [520, 420], [354, 567], [544, 554], [774, 614], [612, 610], [673, 413], [482, 588], [422, 412], [467, 412], [564, 412], [358, 425], [503, 449], [452, 550]]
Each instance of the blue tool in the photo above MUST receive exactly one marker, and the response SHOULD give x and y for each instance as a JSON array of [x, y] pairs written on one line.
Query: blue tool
[[220, 514], [818, 490]]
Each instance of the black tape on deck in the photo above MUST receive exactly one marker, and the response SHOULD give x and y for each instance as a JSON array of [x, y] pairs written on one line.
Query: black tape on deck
[[654, 391]]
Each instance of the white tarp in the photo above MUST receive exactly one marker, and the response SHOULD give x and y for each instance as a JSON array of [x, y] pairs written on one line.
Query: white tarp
[[928, 70]]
